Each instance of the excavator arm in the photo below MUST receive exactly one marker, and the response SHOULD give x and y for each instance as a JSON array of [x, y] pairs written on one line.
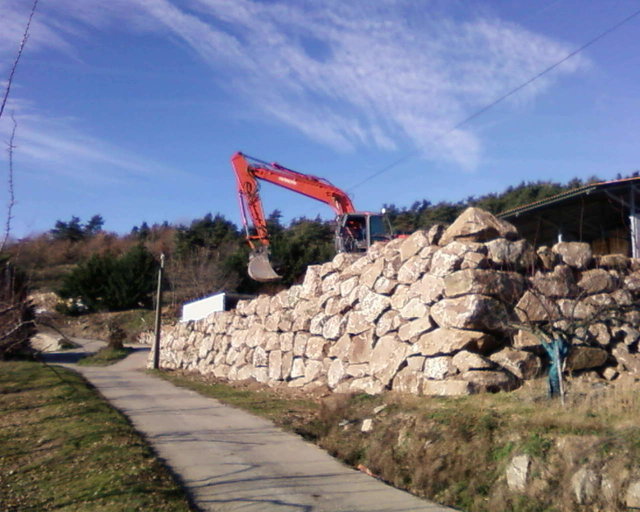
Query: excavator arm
[[248, 171]]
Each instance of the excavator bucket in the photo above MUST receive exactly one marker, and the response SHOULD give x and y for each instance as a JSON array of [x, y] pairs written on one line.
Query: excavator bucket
[[260, 268]]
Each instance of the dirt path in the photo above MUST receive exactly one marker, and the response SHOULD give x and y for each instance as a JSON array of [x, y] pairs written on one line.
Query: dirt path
[[230, 460]]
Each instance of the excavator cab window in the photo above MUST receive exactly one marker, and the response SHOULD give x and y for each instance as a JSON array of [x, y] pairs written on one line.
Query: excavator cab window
[[377, 229]]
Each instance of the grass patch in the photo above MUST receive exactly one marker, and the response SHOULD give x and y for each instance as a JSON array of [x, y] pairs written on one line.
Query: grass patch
[[456, 450], [295, 414], [105, 356], [62, 447]]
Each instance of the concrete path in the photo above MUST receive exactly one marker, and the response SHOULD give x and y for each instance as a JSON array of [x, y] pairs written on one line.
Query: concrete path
[[230, 460]]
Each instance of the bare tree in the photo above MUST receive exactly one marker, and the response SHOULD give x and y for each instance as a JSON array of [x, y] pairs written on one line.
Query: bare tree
[[12, 200], [23, 42]]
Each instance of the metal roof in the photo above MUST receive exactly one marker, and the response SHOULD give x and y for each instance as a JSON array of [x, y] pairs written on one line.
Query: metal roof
[[596, 211], [585, 189]]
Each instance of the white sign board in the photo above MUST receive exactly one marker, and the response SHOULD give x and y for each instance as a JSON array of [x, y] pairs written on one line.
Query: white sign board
[[199, 309]]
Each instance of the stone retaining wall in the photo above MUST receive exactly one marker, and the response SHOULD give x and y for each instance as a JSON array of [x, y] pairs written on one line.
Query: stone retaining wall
[[429, 314]]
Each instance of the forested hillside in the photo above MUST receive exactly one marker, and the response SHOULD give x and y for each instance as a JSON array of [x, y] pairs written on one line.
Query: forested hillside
[[210, 254]]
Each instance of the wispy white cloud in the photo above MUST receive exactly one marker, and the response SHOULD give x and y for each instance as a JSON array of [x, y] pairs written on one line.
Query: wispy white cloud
[[390, 73], [57, 147]]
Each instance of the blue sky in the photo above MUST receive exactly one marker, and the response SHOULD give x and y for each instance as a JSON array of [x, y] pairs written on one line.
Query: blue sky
[[132, 108]]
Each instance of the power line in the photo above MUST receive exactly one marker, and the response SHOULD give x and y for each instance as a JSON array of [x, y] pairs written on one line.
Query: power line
[[508, 94]]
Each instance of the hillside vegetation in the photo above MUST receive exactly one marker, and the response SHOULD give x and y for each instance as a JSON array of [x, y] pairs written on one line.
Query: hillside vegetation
[[210, 254]]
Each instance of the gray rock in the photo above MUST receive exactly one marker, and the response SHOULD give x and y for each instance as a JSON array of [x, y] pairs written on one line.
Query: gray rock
[[585, 483], [511, 254], [632, 496], [413, 244], [477, 225], [412, 270], [361, 348], [429, 289], [315, 348], [386, 358], [385, 286], [556, 284], [446, 387], [575, 254], [464, 361], [598, 280], [389, 321], [438, 368], [449, 341], [517, 473], [372, 305], [334, 327], [477, 312], [336, 373], [275, 365], [408, 381], [260, 357], [524, 365], [415, 308], [583, 357], [490, 381], [410, 330], [506, 286], [300, 343], [534, 307], [371, 273], [357, 323], [629, 361], [340, 349]]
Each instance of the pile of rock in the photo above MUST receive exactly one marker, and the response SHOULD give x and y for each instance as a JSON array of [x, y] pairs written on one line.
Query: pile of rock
[[433, 313]]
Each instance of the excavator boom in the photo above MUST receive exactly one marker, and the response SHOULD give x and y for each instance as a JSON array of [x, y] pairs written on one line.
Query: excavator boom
[[249, 170]]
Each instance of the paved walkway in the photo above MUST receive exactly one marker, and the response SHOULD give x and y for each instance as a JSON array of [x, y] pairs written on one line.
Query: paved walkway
[[230, 460]]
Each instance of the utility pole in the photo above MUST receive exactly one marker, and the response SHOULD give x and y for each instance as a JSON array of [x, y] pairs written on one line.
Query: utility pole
[[156, 342]]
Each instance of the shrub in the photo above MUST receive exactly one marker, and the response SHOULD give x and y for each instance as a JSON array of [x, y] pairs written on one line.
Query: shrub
[[109, 283], [16, 313]]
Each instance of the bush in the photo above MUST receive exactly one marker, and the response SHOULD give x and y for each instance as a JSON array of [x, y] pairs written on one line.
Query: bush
[[109, 283]]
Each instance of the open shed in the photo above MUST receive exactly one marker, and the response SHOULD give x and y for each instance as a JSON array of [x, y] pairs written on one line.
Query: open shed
[[605, 215]]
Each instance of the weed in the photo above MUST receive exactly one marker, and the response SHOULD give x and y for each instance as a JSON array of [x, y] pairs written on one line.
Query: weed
[[537, 445], [501, 452], [105, 356]]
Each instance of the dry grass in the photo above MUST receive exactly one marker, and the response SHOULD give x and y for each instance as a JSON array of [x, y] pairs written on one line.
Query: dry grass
[[456, 450]]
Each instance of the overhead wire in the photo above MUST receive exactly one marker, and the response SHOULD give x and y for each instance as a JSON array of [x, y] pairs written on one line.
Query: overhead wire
[[506, 95]]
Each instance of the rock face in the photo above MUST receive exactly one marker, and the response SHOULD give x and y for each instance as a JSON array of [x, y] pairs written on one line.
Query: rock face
[[434, 313]]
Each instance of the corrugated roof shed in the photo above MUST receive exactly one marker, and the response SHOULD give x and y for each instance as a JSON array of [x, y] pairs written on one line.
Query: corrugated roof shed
[[605, 214]]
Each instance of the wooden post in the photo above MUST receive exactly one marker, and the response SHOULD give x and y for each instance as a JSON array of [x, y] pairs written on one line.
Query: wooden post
[[634, 224], [156, 342]]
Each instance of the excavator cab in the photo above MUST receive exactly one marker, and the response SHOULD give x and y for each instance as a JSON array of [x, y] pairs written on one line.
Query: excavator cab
[[356, 232]]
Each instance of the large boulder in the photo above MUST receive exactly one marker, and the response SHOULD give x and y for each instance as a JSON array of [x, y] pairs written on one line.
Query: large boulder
[[575, 254], [476, 225], [506, 286], [518, 254], [449, 341], [598, 280], [559, 283], [476, 312]]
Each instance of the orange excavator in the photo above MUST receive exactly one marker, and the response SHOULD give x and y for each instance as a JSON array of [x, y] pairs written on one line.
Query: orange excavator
[[355, 231]]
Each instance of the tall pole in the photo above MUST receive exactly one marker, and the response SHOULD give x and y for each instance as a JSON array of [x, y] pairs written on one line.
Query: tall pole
[[156, 342]]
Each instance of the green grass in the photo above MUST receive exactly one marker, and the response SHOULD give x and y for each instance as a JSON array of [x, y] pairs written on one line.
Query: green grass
[[294, 414], [105, 356], [62, 447]]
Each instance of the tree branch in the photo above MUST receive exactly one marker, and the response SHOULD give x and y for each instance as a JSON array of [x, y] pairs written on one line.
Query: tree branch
[[25, 37], [12, 199]]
